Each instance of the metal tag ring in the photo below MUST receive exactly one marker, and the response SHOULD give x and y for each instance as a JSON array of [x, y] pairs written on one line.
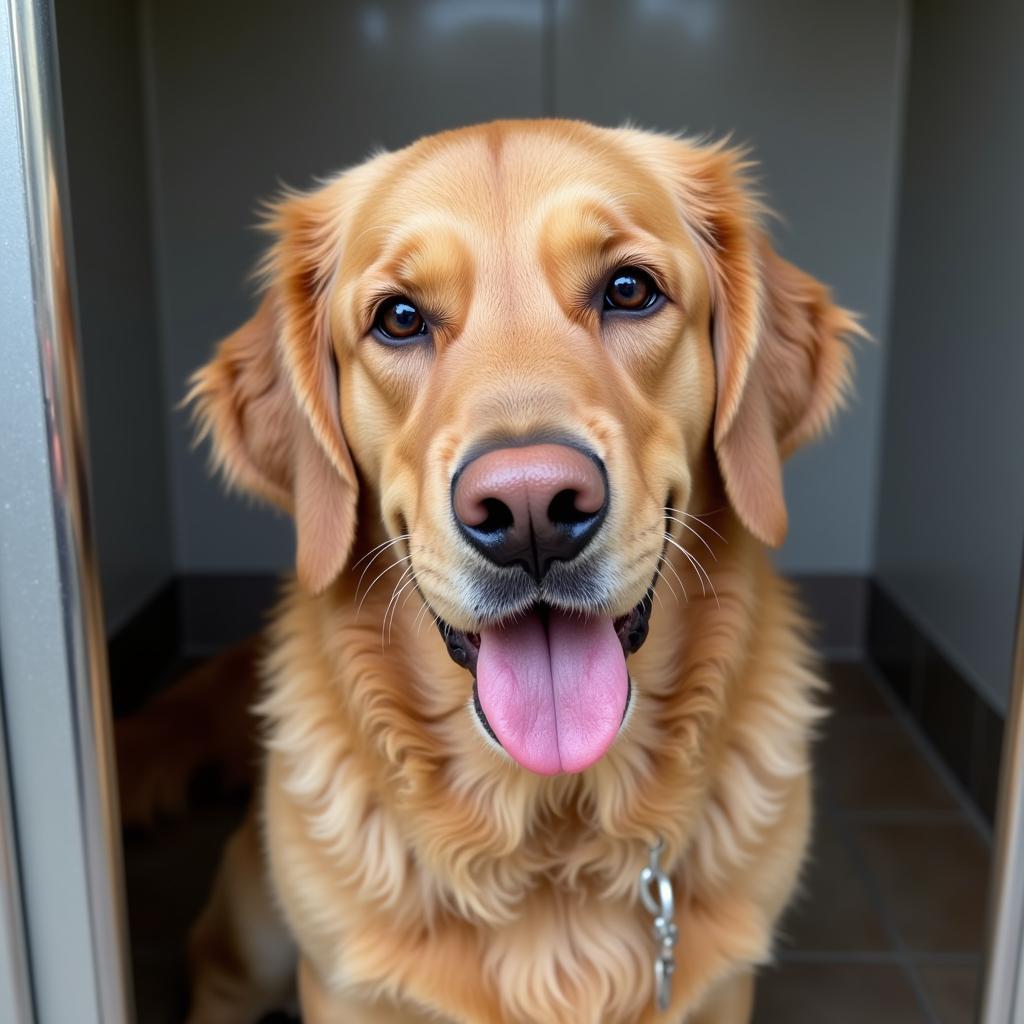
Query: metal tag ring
[[662, 905]]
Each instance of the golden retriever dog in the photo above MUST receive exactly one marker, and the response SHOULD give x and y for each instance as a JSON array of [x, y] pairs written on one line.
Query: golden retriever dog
[[526, 389]]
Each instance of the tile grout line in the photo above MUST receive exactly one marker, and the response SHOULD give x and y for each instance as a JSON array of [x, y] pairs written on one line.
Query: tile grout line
[[969, 810], [928, 752], [879, 958], [901, 956], [898, 817]]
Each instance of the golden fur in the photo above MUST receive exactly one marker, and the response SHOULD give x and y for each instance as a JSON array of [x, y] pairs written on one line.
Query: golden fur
[[420, 874]]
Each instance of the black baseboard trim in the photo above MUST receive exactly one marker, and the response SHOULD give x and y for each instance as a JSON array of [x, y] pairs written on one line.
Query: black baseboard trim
[[938, 697], [837, 606], [144, 649], [191, 616], [219, 610], [194, 616]]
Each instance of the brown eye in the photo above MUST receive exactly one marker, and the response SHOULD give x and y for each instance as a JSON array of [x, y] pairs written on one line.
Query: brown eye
[[630, 290], [399, 320]]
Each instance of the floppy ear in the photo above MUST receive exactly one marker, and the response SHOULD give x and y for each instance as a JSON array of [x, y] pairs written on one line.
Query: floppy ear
[[269, 399], [783, 366], [798, 375]]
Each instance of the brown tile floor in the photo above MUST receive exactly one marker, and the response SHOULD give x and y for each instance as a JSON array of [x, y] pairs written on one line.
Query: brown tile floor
[[888, 928]]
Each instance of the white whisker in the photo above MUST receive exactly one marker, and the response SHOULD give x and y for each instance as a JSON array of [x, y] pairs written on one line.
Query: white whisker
[[393, 600], [700, 570], [393, 565], [423, 603], [668, 565], [379, 547], [690, 515], [702, 573], [686, 526], [657, 596], [418, 624], [394, 614]]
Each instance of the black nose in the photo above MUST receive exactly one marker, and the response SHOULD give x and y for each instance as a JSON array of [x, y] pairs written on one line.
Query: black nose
[[531, 505]]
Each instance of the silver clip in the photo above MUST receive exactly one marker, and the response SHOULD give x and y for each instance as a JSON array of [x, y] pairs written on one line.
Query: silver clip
[[659, 899]]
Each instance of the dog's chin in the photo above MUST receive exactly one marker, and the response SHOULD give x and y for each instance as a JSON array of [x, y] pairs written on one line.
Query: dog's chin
[[550, 686]]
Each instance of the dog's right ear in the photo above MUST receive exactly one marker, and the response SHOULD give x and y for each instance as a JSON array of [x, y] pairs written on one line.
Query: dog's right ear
[[268, 400]]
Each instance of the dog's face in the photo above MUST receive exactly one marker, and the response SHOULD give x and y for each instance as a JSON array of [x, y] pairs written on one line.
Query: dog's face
[[536, 346]]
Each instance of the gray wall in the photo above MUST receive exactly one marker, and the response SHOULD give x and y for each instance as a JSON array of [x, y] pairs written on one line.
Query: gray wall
[[107, 171], [816, 88], [265, 94], [247, 95], [951, 511], [268, 93]]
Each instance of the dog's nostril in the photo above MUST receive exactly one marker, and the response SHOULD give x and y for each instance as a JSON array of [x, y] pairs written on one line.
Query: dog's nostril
[[531, 504], [499, 516], [563, 511]]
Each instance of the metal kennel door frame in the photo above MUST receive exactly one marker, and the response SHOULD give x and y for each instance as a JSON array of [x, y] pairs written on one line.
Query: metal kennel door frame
[[63, 937], [67, 930], [1003, 995]]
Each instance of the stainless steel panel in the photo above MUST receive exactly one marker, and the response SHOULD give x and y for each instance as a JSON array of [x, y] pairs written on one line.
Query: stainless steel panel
[[15, 982], [53, 647]]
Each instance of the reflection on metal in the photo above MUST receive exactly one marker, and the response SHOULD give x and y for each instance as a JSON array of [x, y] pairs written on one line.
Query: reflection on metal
[[15, 987], [1003, 996], [56, 689]]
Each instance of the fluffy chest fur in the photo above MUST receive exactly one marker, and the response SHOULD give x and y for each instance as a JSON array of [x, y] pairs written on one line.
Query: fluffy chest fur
[[413, 861]]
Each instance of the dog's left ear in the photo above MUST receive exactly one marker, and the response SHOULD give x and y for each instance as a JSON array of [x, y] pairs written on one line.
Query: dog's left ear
[[797, 375], [783, 365]]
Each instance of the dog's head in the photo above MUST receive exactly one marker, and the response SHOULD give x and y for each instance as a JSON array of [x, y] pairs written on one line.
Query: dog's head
[[534, 346]]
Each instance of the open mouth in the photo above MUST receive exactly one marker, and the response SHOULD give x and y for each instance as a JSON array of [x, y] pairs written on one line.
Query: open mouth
[[551, 687]]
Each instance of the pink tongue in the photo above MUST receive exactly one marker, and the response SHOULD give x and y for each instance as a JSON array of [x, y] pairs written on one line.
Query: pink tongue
[[553, 695]]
